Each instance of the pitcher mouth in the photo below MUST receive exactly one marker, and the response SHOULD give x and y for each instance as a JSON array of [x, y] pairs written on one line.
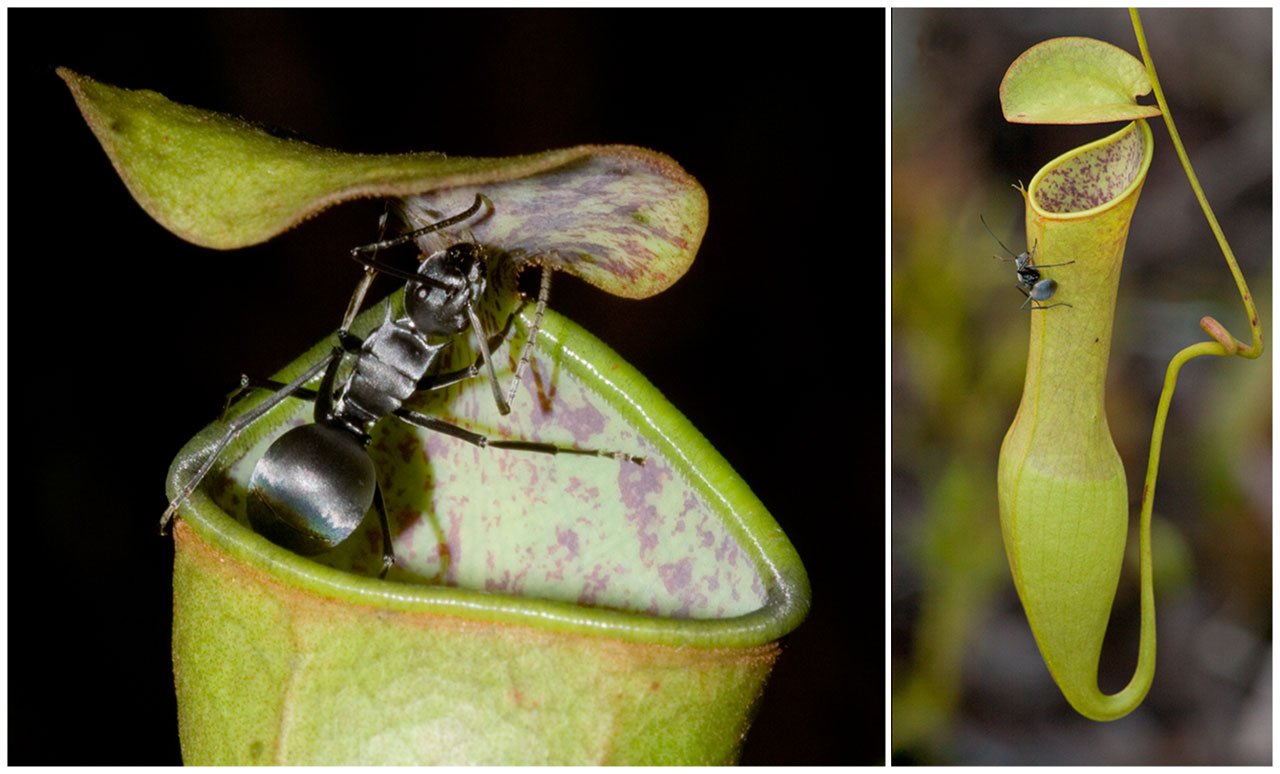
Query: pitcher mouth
[[763, 591], [1087, 180]]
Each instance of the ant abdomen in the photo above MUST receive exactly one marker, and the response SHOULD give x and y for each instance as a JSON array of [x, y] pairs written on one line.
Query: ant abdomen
[[311, 489]]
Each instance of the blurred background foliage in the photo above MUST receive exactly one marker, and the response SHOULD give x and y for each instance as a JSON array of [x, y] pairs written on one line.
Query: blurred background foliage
[[968, 684]]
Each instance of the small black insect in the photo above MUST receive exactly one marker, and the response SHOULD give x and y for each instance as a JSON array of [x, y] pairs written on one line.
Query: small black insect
[[315, 484], [1037, 289]]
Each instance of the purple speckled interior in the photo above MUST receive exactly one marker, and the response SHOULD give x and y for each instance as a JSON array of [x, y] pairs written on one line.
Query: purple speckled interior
[[593, 531], [1092, 178]]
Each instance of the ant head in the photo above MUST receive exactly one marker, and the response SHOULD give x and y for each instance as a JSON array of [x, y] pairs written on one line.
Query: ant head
[[455, 277]]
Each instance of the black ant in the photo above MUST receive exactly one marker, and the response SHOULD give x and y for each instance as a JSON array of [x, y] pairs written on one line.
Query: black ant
[[315, 484], [1036, 288]]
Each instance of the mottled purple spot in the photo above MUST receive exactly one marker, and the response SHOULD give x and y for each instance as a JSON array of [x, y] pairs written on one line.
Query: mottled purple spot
[[691, 502], [499, 583], [644, 520], [727, 551], [569, 539], [582, 422], [455, 550], [676, 576], [582, 492], [635, 483], [595, 583]]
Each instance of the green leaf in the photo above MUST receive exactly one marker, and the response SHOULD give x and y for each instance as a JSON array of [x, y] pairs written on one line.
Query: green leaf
[[628, 220], [1075, 81]]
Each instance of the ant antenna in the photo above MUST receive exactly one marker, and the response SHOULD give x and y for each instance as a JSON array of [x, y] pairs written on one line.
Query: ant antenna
[[993, 234], [481, 199]]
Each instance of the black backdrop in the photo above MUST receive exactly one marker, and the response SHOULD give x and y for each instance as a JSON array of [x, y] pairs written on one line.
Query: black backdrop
[[123, 340]]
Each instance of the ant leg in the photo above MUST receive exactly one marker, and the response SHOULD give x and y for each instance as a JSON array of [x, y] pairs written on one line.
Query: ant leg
[[247, 385], [486, 346], [1034, 305], [357, 298], [544, 291], [1024, 292], [449, 378], [374, 266], [349, 343], [250, 383], [435, 381], [388, 553], [237, 426], [503, 408], [440, 426]]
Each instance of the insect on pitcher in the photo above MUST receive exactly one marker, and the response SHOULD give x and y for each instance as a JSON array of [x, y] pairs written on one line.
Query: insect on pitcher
[[460, 529], [315, 484]]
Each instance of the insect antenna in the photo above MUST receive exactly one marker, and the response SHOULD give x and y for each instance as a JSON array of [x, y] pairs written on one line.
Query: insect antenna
[[993, 236], [480, 201]]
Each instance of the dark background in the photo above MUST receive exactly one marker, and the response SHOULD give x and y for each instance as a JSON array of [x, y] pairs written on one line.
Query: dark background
[[124, 340]]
